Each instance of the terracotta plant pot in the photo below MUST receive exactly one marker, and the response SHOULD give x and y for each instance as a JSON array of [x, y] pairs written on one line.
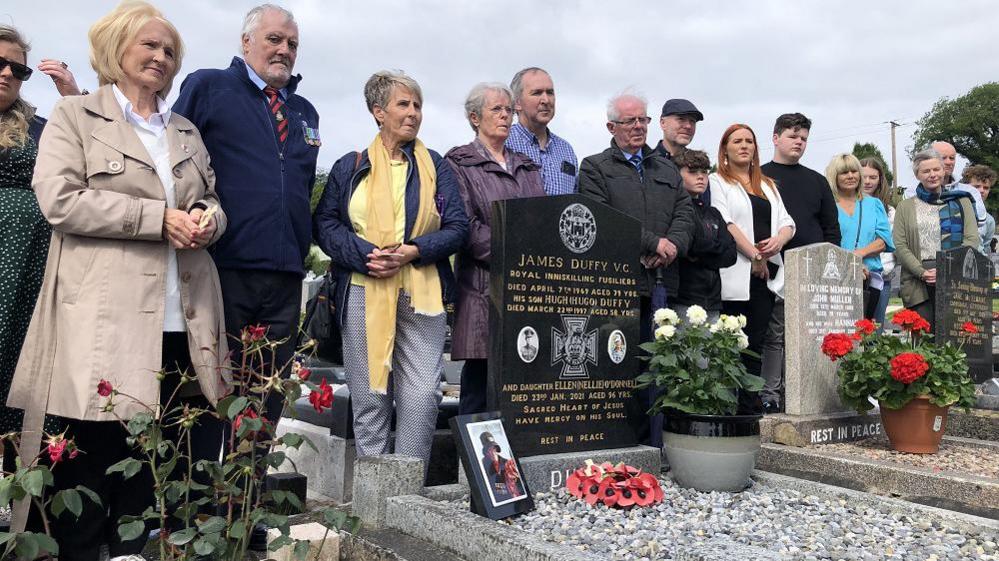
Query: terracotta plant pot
[[917, 427]]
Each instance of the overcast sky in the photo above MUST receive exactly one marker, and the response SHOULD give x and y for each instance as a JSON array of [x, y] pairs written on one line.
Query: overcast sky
[[849, 66]]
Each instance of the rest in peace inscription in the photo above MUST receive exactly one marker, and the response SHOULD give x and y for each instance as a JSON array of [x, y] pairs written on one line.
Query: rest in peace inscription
[[564, 318]]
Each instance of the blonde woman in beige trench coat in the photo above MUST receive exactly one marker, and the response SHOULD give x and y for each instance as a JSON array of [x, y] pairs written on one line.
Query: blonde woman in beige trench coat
[[124, 183]]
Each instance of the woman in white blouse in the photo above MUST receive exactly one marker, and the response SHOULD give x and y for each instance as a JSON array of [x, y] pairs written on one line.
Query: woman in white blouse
[[761, 226]]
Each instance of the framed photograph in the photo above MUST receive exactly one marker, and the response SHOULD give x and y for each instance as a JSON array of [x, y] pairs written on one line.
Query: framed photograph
[[496, 483]]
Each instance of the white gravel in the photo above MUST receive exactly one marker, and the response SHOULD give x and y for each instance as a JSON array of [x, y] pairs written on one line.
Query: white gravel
[[801, 527]]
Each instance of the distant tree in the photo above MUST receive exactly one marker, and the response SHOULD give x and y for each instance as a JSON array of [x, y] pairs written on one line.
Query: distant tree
[[316, 261], [969, 122], [869, 150], [317, 187]]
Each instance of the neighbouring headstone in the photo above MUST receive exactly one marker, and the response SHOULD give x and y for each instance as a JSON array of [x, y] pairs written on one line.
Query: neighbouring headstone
[[564, 321], [287, 482], [823, 292], [964, 293]]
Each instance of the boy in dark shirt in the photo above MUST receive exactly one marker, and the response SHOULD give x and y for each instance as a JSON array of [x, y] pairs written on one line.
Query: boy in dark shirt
[[808, 199], [712, 248], [805, 192]]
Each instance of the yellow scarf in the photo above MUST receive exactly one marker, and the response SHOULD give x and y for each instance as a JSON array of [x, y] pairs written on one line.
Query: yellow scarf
[[381, 296]]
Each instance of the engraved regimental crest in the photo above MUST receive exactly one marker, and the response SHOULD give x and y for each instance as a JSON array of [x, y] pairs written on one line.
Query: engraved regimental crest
[[574, 347], [577, 228]]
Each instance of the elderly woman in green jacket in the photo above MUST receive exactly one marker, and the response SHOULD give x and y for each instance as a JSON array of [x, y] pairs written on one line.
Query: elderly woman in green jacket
[[934, 220]]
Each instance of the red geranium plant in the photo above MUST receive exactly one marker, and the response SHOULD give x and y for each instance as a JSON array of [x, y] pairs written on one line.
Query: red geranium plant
[[620, 486], [893, 369]]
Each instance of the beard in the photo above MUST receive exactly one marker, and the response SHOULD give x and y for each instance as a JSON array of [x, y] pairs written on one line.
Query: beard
[[280, 75]]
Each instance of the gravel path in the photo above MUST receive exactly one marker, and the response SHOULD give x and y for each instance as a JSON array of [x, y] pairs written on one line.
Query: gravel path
[[802, 527], [980, 461]]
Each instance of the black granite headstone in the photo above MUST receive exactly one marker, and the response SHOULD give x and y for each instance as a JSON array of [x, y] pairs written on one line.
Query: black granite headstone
[[564, 324], [964, 293], [294, 483]]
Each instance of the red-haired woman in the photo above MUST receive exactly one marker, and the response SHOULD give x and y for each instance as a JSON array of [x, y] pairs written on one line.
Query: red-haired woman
[[757, 219]]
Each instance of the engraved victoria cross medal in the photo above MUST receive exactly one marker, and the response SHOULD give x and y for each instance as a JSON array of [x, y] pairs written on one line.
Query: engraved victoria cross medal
[[574, 347]]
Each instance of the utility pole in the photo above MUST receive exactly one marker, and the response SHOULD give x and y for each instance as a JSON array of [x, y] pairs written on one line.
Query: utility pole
[[894, 165]]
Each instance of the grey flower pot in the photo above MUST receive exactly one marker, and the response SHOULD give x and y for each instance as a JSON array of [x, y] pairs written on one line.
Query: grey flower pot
[[712, 452]]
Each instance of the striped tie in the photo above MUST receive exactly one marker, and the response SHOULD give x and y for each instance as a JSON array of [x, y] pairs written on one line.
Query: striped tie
[[636, 161], [276, 105]]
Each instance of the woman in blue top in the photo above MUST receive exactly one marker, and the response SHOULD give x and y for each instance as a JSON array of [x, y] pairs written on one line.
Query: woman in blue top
[[863, 223]]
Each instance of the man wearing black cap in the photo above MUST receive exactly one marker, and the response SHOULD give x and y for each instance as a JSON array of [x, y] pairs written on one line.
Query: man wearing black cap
[[679, 123]]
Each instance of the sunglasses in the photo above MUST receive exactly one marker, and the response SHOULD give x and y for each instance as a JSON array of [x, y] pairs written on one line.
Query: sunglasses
[[20, 71]]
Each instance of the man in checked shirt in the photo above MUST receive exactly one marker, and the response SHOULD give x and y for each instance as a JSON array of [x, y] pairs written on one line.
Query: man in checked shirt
[[534, 103]]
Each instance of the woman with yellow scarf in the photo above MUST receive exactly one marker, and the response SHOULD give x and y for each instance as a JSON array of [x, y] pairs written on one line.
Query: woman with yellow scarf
[[389, 218]]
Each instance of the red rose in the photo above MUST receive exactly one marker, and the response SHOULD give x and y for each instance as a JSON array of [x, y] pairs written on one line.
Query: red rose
[[247, 413], [55, 450], [865, 326], [322, 398], [104, 388], [969, 328], [836, 345], [908, 367], [304, 373], [253, 333]]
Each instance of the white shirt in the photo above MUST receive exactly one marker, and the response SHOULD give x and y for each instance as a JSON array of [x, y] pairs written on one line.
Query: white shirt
[[152, 133], [260, 83], [732, 201]]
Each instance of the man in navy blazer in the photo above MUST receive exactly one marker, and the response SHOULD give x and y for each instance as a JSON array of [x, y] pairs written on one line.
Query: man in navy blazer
[[263, 139]]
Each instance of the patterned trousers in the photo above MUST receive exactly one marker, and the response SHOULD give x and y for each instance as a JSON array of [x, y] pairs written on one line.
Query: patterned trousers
[[414, 382]]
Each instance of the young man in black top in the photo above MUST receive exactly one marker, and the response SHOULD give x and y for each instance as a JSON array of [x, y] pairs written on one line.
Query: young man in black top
[[809, 200]]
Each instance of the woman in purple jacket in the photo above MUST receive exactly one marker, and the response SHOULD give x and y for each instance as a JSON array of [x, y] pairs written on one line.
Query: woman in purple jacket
[[486, 171]]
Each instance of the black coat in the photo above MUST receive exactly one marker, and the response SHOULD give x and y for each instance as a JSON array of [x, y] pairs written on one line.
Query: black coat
[[713, 248], [657, 199]]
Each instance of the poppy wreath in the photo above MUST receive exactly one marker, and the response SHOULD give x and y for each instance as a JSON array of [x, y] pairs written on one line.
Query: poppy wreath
[[619, 486]]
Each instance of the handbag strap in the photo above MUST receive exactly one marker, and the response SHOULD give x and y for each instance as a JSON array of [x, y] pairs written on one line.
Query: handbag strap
[[860, 222]]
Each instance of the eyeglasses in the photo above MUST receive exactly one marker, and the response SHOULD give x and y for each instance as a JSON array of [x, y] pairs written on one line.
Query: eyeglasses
[[634, 121], [20, 71], [499, 109]]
